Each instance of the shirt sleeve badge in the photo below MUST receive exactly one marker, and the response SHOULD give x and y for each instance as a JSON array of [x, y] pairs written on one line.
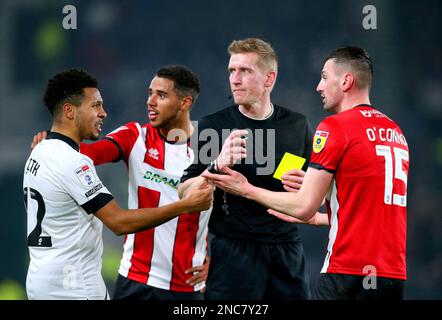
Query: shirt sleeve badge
[[319, 140], [85, 175]]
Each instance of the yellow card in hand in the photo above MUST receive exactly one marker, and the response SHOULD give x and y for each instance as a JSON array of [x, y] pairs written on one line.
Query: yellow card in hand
[[288, 162]]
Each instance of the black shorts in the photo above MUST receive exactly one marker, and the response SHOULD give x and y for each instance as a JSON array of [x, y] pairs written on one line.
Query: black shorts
[[352, 287], [126, 289], [242, 270]]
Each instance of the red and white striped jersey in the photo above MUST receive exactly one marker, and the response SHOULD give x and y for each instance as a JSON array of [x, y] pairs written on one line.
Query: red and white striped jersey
[[158, 256], [368, 154]]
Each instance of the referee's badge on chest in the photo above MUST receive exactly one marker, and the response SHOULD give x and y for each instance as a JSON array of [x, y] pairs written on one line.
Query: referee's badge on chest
[[85, 175]]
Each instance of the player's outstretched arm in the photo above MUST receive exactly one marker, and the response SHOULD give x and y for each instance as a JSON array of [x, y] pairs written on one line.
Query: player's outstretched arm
[[124, 221], [302, 205], [191, 184], [103, 151], [292, 182], [319, 219]]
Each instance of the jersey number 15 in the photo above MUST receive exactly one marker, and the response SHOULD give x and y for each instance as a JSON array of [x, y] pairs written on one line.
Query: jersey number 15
[[399, 155]]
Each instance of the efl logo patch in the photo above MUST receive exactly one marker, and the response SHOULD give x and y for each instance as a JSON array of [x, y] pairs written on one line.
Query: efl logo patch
[[85, 175], [319, 140]]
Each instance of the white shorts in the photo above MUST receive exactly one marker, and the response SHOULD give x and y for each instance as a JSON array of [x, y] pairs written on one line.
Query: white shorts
[[64, 283]]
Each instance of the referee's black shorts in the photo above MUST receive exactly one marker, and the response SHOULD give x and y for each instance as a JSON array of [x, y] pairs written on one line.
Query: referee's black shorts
[[241, 270], [353, 287]]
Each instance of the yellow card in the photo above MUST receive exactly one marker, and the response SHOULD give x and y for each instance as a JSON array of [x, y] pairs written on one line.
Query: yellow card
[[288, 162]]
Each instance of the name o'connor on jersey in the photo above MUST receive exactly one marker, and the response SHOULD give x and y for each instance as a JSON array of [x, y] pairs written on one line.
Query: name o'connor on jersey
[[386, 135]]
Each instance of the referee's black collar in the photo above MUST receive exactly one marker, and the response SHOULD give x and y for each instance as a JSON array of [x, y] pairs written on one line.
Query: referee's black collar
[[62, 137]]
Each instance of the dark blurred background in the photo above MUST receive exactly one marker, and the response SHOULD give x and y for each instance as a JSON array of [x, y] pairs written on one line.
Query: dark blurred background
[[124, 42]]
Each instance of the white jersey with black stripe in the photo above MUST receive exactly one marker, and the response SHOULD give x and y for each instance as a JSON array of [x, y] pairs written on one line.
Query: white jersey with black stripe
[[61, 192]]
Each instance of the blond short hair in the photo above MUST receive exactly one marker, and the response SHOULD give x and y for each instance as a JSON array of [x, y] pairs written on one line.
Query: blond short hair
[[268, 60]]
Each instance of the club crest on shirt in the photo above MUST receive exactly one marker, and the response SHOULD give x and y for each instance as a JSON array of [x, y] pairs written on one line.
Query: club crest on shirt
[[319, 140], [85, 175]]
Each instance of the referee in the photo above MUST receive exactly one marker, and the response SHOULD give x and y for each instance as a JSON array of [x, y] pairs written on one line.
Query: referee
[[253, 254]]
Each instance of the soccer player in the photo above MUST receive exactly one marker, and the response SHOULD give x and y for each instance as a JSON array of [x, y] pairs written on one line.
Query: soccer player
[[155, 261], [253, 254], [66, 200], [166, 262], [360, 162]]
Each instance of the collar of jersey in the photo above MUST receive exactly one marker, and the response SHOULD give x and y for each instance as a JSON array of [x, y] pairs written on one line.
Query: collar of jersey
[[363, 105], [268, 116], [62, 137]]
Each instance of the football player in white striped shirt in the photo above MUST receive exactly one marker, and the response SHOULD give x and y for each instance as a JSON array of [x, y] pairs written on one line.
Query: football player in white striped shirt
[[66, 200]]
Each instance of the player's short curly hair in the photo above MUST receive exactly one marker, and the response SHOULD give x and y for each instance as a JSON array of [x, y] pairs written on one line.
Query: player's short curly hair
[[67, 86], [186, 82]]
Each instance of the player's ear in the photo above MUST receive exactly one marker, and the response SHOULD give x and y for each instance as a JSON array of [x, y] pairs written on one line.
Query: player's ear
[[69, 111], [270, 78], [186, 103], [348, 81]]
